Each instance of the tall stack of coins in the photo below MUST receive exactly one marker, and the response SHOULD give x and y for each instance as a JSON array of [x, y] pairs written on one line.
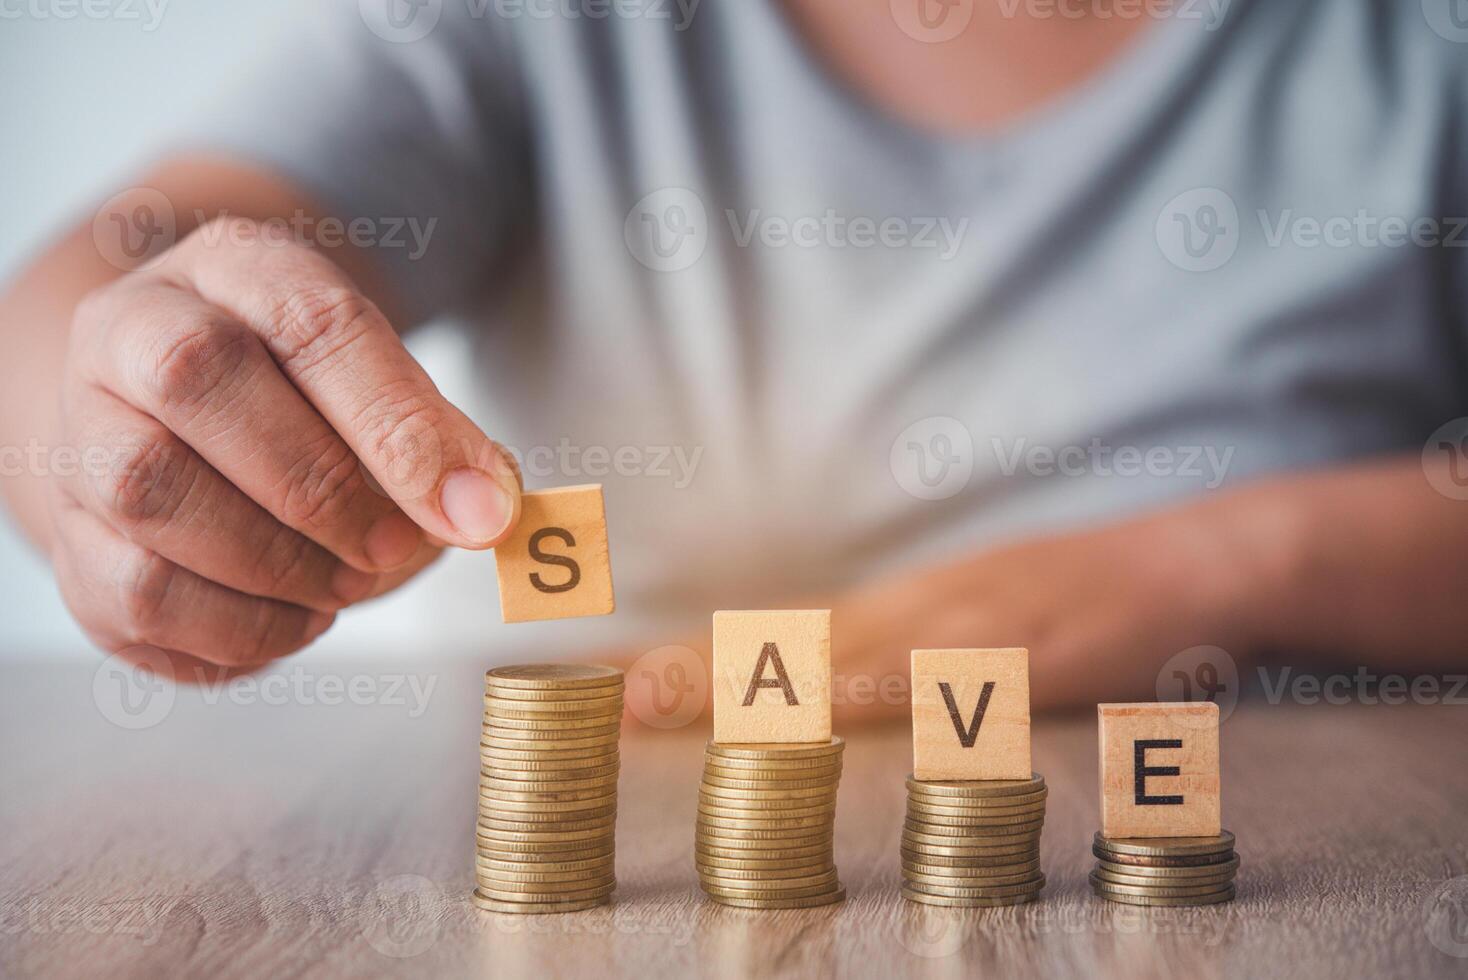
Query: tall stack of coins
[[973, 844], [766, 818], [1165, 870], [548, 765]]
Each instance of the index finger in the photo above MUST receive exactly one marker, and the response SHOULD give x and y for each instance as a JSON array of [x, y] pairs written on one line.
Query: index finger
[[338, 349]]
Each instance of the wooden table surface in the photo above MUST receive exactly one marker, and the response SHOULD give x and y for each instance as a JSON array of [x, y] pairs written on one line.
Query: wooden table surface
[[280, 835]]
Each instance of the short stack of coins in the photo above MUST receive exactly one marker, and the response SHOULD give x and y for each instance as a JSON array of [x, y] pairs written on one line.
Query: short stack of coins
[[766, 822], [1165, 870], [548, 765], [973, 844]]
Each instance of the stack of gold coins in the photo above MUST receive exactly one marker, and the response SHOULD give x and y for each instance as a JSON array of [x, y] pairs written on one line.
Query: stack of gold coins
[[973, 844], [1165, 870], [766, 818], [548, 765]]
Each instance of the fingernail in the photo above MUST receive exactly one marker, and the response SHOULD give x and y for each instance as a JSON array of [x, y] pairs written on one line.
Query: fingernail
[[392, 541], [478, 507], [351, 584]]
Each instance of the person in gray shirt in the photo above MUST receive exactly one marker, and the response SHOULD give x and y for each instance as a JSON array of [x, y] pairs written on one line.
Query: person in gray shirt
[[1116, 330]]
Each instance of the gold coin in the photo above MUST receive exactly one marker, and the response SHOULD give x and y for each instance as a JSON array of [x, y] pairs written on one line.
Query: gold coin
[[787, 823], [977, 812], [769, 795], [551, 695], [912, 895], [488, 808], [746, 805], [540, 853], [521, 787], [1160, 891], [550, 775], [775, 750], [510, 807], [772, 764], [581, 838], [497, 739], [924, 867], [1152, 883], [1215, 898], [748, 851], [809, 891], [985, 804], [544, 867], [549, 768], [534, 886], [976, 789], [607, 787], [494, 754], [975, 834], [1170, 847], [789, 836], [921, 841], [824, 782], [920, 879], [1181, 875], [602, 704], [1027, 887], [561, 727], [830, 898], [493, 821], [966, 850], [735, 868], [1182, 861], [979, 825], [779, 777], [765, 812], [560, 677], [532, 908], [516, 894], [931, 860]]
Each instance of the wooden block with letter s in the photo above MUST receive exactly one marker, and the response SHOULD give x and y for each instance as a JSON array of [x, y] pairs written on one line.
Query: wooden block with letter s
[[1159, 770], [556, 564], [772, 676], [971, 714]]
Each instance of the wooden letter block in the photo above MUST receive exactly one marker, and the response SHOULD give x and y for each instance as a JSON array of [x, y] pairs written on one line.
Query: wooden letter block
[[1159, 770], [971, 714], [772, 676], [555, 565]]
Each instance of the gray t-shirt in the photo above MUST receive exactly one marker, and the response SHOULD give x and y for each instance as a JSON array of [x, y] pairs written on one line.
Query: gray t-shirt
[[802, 341]]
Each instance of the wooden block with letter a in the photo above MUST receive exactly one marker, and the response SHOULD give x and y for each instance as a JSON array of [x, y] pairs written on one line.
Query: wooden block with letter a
[[1159, 770], [971, 714], [772, 676], [556, 564]]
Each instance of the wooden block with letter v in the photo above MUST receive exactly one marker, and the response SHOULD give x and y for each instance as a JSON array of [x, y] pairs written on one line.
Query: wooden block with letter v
[[1159, 770], [556, 564], [971, 714], [772, 676]]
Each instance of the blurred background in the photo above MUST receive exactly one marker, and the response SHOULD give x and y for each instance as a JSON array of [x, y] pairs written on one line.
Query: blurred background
[[89, 102]]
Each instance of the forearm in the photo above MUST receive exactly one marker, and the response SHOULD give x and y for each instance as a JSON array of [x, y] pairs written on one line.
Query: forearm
[[36, 310], [1366, 562]]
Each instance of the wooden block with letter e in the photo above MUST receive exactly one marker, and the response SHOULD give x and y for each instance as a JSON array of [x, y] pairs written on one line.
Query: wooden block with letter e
[[556, 564], [772, 676], [1159, 770], [971, 714]]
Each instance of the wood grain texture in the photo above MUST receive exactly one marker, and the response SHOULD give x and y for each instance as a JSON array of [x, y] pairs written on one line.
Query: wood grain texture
[[772, 675], [329, 838], [971, 714], [1174, 748], [556, 563]]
